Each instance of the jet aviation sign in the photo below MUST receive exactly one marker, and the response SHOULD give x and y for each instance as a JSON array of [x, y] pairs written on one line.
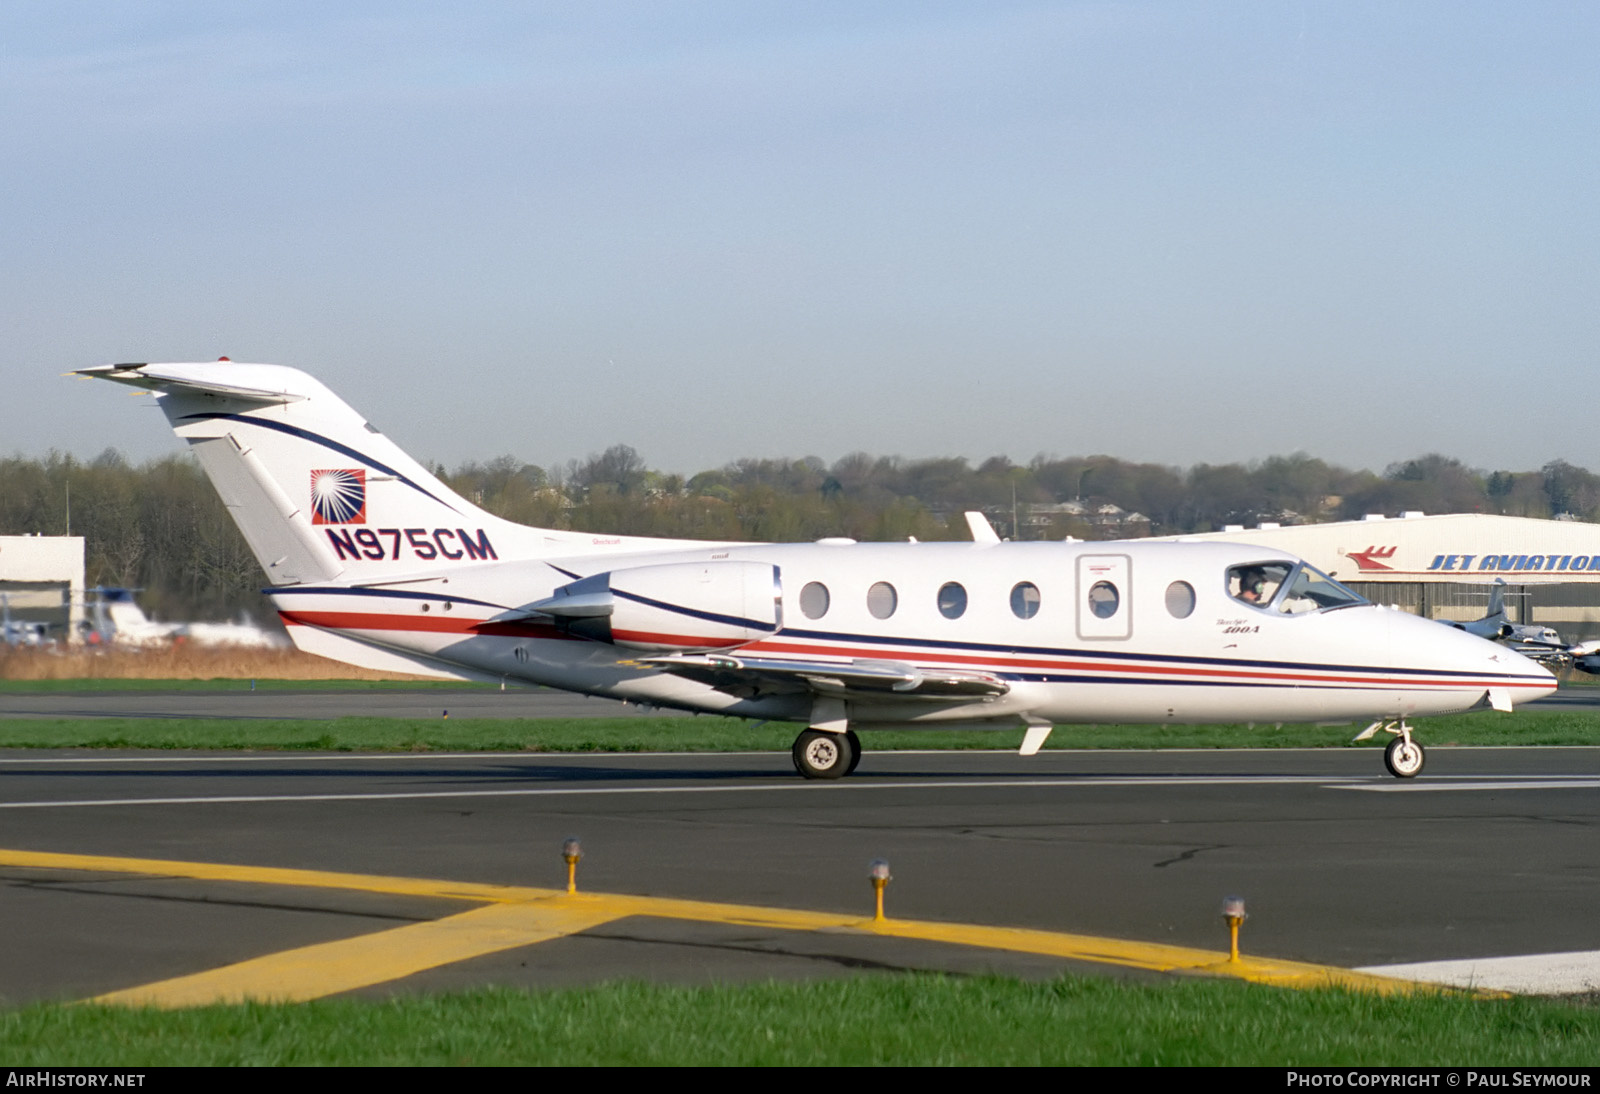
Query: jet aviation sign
[[1374, 560]]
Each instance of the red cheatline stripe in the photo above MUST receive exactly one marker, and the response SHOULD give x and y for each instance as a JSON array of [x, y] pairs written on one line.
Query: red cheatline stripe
[[438, 624]]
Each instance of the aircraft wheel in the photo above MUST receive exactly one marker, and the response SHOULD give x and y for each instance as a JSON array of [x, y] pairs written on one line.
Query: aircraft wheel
[[855, 750], [819, 755], [1403, 758]]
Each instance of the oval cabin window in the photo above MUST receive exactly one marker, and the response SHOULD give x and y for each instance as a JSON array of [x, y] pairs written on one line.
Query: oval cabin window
[[1104, 599], [1025, 600], [881, 600], [1180, 599], [814, 600]]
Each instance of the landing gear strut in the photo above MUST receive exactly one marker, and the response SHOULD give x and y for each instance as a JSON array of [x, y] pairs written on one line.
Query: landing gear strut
[[1404, 756], [822, 755]]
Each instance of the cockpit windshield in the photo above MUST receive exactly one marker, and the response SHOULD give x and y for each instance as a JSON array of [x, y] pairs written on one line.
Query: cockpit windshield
[[1290, 587], [1311, 590]]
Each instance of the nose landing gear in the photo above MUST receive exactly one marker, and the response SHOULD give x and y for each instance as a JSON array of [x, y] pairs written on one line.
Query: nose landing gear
[[1403, 757]]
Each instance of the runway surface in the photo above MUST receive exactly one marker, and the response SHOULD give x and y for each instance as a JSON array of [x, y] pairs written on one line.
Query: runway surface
[[1489, 853]]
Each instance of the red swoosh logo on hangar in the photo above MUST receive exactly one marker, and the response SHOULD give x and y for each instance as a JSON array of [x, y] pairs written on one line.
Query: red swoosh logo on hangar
[[1368, 559]]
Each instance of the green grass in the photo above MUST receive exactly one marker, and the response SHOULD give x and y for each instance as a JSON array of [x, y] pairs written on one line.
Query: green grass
[[713, 734], [911, 1019]]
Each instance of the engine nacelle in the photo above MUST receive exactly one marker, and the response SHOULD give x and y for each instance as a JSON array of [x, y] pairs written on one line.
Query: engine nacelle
[[678, 606]]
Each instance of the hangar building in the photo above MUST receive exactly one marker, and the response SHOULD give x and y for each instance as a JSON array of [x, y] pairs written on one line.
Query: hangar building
[[41, 578], [1444, 566]]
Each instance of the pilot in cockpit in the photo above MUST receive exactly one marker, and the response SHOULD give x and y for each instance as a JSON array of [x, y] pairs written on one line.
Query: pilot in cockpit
[[1257, 583]]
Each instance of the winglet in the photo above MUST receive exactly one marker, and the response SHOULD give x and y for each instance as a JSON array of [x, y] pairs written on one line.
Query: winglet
[[982, 530]]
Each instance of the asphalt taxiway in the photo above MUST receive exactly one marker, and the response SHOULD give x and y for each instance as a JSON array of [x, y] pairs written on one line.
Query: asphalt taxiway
[[1490, 852]]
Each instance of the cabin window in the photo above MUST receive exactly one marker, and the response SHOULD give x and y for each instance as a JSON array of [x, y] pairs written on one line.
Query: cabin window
[[1025, 600], [952, 600], [1104, 599], [881, 600], [1180, 599], [814, 600]]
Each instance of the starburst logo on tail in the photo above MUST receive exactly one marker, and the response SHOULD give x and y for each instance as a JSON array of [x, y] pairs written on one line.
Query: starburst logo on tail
[[339, 496]]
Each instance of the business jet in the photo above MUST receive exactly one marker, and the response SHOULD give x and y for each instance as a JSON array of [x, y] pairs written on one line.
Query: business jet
[[16, 632], [375, 562], [120, 620], [1530, 639]]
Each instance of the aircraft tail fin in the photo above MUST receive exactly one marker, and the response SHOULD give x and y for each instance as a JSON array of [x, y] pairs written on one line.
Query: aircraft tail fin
[[317, 491], [122, 609], [1497, 600]]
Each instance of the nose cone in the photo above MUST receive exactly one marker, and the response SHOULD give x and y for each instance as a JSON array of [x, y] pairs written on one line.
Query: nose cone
[[1465, 665], [1541, 681]]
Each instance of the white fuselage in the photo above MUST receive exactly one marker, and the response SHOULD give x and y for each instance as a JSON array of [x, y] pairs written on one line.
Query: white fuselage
[[1225, 661]]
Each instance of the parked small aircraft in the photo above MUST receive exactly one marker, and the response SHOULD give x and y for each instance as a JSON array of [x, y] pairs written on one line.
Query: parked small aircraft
[[1529, 639], [17, 632], [120, 621], [1585, 656], [374, 561]]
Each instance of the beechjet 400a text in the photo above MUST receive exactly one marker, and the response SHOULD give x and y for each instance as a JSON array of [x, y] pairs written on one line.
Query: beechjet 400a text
[[373, 561]]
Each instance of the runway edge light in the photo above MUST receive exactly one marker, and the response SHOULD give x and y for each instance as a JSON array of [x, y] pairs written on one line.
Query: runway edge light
[[878, 871], [1233, 914], [572, 851]]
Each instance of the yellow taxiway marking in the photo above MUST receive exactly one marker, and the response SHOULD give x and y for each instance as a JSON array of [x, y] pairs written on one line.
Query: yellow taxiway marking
[[312, 972], [520, 916], [275, 875]]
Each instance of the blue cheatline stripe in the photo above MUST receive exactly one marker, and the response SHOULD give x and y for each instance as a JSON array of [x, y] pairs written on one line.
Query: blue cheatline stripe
[[401, 594], [326, 442]]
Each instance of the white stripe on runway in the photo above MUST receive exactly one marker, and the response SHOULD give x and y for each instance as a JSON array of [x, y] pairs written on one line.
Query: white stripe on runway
[[1530, 974], [767, 787], [1537, 782]]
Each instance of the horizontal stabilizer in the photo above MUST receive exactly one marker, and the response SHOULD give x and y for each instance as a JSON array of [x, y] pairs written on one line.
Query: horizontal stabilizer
[[182, 378]]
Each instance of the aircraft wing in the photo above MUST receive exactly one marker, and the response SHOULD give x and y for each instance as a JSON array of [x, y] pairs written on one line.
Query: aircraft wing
[[743, 675]]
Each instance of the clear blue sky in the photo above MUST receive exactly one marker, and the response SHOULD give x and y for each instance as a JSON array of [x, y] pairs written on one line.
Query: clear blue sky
[[1165, 231]]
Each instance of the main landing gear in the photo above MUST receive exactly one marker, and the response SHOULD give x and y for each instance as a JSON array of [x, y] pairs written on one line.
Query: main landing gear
[[1403, 757], [819, 754]]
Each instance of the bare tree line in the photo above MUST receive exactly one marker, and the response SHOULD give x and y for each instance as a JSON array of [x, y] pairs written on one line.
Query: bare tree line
[[159, 526]]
